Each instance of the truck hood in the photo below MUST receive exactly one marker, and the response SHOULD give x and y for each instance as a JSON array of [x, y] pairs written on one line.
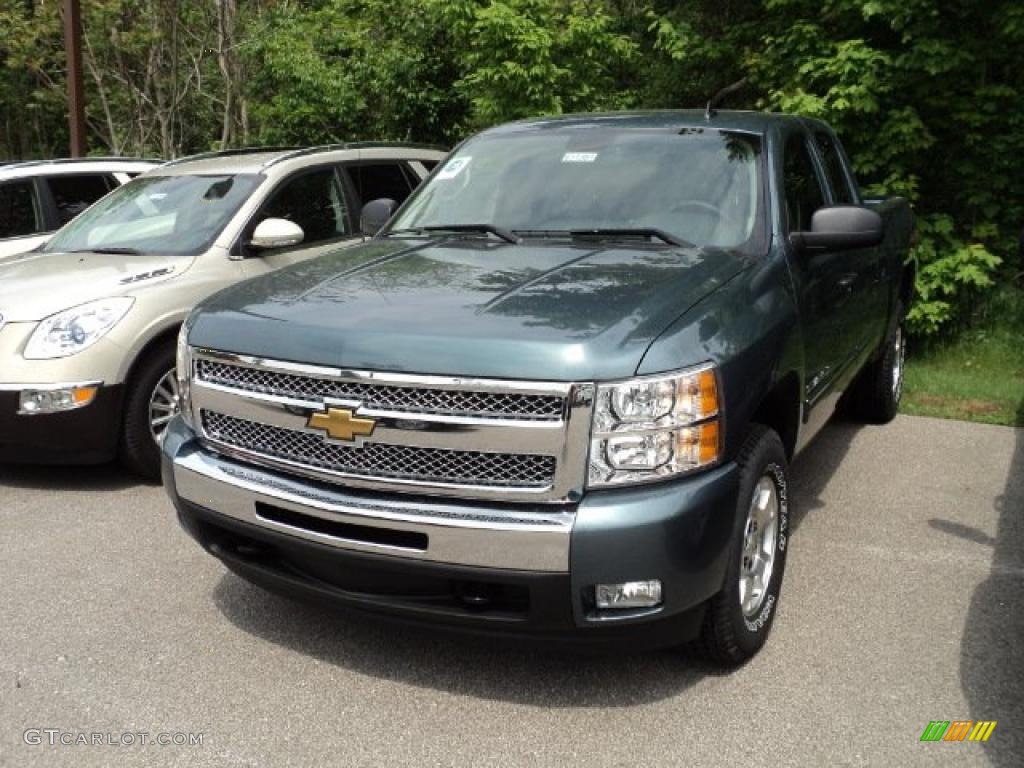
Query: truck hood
[[467, 307], [36, 285]]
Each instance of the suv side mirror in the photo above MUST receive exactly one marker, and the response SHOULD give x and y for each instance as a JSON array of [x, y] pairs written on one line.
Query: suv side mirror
[[375, 215], [276, 233], [840, 228]]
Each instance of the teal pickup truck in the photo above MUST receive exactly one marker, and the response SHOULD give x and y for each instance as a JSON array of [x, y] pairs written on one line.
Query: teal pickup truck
[[557, 392]]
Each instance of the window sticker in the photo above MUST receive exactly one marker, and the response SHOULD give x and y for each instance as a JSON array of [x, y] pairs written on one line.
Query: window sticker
[[453, 168], [579, 157]]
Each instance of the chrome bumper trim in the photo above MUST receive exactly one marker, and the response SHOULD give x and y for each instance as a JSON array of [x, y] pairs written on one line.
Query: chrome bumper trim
[[535, 539], [4, 387]]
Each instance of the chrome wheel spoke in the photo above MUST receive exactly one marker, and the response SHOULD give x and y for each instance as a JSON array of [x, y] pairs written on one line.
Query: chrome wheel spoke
[[898, 360], [758, 554], [164, 404]]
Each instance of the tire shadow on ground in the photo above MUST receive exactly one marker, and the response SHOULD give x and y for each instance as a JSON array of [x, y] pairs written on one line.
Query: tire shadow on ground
[[101, 477], [529, 672]]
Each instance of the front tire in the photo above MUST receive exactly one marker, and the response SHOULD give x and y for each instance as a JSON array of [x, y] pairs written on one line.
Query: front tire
[[151, 403], [738, 619]]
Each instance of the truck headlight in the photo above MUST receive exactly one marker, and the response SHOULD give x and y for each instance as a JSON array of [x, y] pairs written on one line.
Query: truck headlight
[[183, 372], [655, 427], [69, 332]]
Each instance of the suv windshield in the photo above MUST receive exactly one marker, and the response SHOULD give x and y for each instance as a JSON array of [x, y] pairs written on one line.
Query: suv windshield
[[175, 215], [700, 186]]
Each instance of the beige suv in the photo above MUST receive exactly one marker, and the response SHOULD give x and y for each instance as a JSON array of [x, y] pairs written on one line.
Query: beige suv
[[88, 322]]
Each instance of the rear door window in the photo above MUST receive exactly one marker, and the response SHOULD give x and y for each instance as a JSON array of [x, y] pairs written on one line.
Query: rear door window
[[835, 168], [20, 214], [376, 180], [803, 190], [314, 201], [73, 194]]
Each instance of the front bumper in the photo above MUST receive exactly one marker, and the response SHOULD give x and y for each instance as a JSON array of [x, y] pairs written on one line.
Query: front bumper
[[87, 435], [510, 568]]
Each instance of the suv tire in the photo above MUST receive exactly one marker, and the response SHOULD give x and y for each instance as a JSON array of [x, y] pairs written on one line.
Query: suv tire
[[139, 451]]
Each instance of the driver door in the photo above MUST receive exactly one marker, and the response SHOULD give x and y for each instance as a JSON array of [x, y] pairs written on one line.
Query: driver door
[[313, 198]]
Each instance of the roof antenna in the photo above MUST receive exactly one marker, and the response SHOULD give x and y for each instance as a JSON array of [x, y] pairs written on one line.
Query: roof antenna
[[719, 97]]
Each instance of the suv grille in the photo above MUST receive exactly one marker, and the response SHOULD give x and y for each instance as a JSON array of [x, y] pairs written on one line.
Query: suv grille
[[433, 465], [446, 402]]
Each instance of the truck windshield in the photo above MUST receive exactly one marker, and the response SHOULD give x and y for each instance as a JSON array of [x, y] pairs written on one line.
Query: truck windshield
[[174, 215], [701, 186]]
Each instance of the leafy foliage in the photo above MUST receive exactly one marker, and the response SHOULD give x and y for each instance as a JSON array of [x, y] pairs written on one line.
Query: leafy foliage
[[926, 94]]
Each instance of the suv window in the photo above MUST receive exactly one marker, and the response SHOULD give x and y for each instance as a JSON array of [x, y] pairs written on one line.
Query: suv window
[[800, 180], [19, 212], [834, 166], [314, 201], [73, 194], [378, 180]]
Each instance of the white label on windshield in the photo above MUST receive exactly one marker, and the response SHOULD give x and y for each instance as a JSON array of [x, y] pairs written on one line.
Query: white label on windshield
[[579, 157], [453, 168]]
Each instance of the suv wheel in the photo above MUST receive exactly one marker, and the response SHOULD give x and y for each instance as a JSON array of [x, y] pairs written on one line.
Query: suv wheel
[[152, 401], [738, 619]]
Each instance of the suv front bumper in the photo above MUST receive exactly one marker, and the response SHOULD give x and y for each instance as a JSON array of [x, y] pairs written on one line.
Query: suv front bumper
[[86, 435], [510, 568]]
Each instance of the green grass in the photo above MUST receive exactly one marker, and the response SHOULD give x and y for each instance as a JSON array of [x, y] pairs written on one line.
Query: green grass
[[978, 376]]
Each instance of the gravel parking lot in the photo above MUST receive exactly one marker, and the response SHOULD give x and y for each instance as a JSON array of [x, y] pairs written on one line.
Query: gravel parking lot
[[904, 603]]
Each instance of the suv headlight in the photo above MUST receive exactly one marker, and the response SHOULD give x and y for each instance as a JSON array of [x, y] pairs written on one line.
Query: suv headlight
[[69, 332], [183, 372], [655, 427]]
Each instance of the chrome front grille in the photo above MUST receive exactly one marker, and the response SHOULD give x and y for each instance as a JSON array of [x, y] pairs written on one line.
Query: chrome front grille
[[429, 465], [445, 436], [484, 405]]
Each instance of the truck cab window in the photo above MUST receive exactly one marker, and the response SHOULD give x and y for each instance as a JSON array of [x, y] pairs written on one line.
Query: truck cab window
[[73, 194], [829, 149], [19, 211], [380, 180], [315, 202], [803, 189]]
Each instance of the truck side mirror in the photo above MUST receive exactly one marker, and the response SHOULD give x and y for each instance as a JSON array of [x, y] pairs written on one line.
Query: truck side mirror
[[276, 233], [375, 215], [840, 228]]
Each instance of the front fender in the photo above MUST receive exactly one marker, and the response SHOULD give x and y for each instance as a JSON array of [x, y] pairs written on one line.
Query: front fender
[[750, 329]]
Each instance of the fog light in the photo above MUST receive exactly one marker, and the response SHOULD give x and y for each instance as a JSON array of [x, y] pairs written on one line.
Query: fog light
[[33, 401], [630, 594]]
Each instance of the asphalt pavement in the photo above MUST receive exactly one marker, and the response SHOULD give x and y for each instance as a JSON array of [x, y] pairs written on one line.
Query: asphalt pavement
[[903, 603]]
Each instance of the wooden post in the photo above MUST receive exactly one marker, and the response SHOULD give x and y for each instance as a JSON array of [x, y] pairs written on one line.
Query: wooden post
[[76, 97]]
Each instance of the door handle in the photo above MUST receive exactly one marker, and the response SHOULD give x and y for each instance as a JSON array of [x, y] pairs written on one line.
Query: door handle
[[846, 282]]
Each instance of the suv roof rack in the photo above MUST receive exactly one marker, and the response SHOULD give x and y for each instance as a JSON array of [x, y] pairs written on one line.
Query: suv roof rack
[[289, 153], [228, 153], [68, 160]]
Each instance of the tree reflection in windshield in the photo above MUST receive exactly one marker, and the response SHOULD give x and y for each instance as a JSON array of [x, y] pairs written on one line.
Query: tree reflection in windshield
[[699, 185]]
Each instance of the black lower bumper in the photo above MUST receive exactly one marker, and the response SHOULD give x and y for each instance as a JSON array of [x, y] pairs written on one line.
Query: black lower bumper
[[86, 435]]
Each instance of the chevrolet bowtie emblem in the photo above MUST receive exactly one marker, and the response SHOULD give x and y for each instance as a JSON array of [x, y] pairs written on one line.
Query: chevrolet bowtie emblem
[[341, 424]]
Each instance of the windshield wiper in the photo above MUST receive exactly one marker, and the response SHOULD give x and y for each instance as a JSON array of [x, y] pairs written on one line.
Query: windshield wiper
[[651, 233], [490, 229], [111, 249]]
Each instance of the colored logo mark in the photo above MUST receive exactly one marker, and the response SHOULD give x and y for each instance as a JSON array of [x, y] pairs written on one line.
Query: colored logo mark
[[958, 730]]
